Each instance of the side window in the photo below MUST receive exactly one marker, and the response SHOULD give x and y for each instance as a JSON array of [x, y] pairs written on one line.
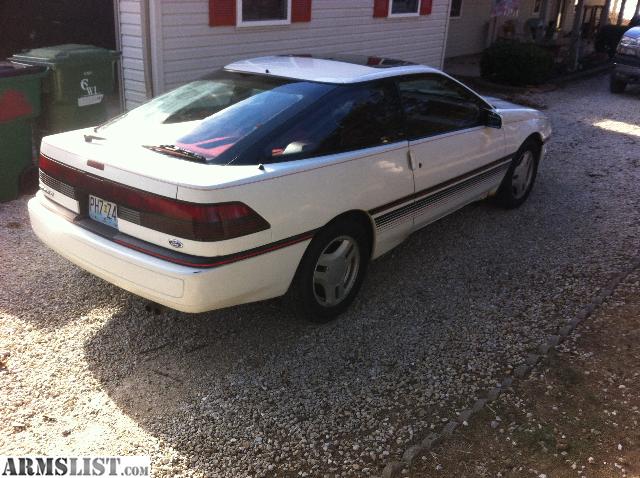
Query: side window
[[434, 104], [356, 118]]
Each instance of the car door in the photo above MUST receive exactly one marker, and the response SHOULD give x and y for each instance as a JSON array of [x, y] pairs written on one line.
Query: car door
[[455, 157], [350, 154]]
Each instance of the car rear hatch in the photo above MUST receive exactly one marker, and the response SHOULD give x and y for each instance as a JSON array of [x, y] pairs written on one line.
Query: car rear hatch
[[131, 194]]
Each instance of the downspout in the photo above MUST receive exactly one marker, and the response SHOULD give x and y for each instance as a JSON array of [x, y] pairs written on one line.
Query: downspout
[[543, 16], [145, 23], [604, 16], [576, 36], [118, 33]]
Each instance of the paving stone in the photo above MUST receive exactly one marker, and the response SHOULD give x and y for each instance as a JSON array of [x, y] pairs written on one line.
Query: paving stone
[[465, 415], [521, 371], [565, 331], [544, 348], [392, 470], [432, 440], [532, 359], [449, 428], [493, 394], [479, 405], [554, 340], [413, 453]]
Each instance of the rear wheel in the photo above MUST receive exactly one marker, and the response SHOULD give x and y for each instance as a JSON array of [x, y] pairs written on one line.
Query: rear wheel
[[331, 271], [518, 182], [616, 85]]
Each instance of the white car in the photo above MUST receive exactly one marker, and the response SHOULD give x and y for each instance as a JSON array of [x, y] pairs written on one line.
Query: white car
[[278, 175]]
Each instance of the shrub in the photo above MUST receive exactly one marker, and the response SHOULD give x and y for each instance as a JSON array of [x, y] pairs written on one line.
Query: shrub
[[608, 38], [516, 63]]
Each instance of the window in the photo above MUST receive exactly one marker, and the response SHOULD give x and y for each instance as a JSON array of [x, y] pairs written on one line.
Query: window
[[352, 118], [264, 12], [210, 117], [401, 8], [404, 8], [434, 104], [456, 9]]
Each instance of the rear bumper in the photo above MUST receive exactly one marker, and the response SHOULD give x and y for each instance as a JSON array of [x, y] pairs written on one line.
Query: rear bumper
[[179, 287]]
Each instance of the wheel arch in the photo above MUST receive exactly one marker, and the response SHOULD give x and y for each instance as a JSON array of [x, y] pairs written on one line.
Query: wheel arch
[[363, 218], [534, 138]]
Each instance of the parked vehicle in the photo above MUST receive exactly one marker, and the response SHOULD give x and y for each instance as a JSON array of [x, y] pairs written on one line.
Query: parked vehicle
[[278, 175], [626, 68]]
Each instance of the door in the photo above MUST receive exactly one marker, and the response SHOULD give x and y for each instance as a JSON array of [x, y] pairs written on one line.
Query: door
[[352, 149], [456, 158]]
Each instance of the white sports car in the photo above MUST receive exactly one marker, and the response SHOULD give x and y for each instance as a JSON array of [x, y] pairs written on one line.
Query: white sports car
[[278, 175]]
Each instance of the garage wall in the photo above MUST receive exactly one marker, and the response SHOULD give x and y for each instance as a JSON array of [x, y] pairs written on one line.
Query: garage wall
[[132, 52], [187, 47]]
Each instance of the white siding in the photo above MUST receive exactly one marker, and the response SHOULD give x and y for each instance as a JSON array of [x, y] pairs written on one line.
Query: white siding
[[132, 53], [189, 47], [468, 33]]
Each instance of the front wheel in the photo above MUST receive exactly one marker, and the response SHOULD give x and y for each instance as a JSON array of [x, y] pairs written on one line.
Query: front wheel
[[518, 182], [331, 271]]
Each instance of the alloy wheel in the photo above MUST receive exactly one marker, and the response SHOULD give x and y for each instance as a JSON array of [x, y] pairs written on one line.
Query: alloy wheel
[[336, 271], [523, 175]]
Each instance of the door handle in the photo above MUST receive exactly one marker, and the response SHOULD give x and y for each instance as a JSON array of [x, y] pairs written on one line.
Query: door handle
[[412, 161]]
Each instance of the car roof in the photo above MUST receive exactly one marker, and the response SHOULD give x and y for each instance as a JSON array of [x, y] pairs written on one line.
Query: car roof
[[328, 69]]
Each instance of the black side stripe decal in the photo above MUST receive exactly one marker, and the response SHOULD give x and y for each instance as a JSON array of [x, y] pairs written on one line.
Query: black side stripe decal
[[443, 185], [435, 195]]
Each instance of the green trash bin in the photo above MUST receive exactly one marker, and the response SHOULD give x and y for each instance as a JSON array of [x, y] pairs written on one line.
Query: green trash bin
[[19, 104], [75, 91]]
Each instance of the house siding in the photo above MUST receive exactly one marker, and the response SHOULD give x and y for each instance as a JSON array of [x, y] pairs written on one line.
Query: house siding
[[468, 33], [131, 44], [189, 47]]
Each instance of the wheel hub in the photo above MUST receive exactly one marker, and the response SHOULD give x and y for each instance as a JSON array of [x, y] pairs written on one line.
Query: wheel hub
[[336, 271]]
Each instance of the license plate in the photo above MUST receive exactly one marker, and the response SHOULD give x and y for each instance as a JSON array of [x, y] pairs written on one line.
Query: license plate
[[103, 211]]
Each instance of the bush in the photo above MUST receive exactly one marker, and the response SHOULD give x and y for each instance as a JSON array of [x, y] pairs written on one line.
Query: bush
[[608, 38], [516, 63]]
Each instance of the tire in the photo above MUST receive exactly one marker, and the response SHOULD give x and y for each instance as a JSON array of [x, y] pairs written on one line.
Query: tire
[[520, 177], [331, 271], [616, 85]]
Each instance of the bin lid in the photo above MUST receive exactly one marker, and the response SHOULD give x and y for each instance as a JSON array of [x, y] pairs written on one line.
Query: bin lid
[[8, 69], [70, 52]]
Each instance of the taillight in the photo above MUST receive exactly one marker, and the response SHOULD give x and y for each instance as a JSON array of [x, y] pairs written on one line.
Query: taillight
[[198, 222]]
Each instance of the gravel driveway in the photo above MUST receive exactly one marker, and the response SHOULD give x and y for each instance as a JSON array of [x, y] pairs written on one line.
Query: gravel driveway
[[250, 391]]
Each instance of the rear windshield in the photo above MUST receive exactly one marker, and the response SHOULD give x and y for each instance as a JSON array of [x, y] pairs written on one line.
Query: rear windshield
[[212, 115]]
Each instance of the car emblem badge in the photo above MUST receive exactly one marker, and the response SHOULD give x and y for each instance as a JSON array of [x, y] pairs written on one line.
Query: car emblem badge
[[175, 243]]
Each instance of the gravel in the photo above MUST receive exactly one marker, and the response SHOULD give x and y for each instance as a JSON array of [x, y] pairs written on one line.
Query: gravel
[[250, 391]]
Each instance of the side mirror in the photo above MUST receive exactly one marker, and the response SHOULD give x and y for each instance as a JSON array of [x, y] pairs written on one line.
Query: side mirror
[[492, 119]]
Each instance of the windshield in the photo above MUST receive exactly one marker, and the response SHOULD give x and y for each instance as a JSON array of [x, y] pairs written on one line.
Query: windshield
[[210, 116]]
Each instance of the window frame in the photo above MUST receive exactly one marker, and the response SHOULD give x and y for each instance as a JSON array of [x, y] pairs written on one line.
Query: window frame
[[260, 23], [484, 105], [390, 13], [459, 15]]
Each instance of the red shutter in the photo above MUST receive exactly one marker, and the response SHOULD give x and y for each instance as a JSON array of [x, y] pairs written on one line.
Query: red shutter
[[425, 7], [300, 10], [381, 8], [222, 12]]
